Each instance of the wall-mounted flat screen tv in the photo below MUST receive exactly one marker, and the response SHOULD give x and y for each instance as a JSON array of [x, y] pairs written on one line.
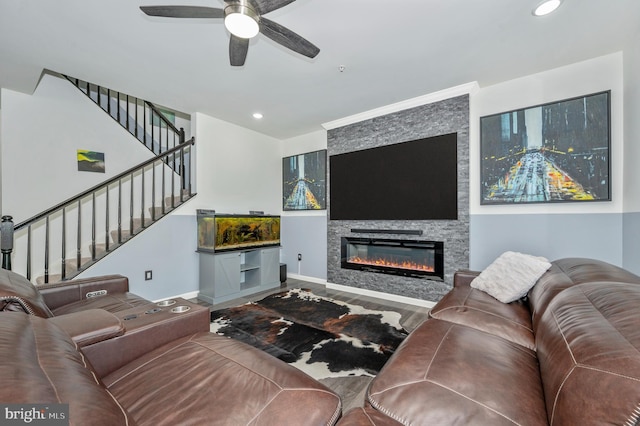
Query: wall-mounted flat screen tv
[[415, 180], [227, 232]]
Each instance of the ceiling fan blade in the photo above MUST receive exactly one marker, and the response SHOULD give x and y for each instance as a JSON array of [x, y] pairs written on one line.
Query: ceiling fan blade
[[183, 11], [287, 38], [238, 48], [266, 6]]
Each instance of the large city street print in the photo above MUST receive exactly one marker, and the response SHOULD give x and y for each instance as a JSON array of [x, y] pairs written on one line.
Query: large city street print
[[548, 153]]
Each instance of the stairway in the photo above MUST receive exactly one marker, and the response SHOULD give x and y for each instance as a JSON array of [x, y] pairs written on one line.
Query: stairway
[[64, 240], [117, 239], [140, 118]]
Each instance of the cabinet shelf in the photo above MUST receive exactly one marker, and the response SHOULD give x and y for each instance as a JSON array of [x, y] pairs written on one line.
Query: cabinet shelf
[[226, 276], [246, 267]]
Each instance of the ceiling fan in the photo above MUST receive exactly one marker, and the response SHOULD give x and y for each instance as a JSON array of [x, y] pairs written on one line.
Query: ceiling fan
[[244, 20]]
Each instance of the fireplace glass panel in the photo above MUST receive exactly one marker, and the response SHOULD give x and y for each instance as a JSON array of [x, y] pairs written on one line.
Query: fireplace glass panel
[[400, 257]]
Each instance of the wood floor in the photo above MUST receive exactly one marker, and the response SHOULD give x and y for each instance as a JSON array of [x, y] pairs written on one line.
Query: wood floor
[[351, 389]]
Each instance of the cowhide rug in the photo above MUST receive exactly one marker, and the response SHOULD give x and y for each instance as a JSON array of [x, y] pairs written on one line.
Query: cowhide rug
[[320, 336]]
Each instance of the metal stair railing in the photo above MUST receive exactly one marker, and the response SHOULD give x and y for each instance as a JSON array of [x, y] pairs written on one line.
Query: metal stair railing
[[140, 118], [122, 200]]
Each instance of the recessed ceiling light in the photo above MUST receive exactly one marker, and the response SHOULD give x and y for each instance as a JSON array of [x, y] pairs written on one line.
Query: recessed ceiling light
[[546, 7], [257, 115]]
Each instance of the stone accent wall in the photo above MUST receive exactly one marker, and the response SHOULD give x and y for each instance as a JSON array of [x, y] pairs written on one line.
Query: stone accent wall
[[438, 118]]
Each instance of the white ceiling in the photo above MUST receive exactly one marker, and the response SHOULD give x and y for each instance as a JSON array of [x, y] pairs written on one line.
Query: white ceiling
[[391, 51]]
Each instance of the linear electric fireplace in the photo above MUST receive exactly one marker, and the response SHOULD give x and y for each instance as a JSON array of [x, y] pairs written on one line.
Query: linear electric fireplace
[[414, 258]]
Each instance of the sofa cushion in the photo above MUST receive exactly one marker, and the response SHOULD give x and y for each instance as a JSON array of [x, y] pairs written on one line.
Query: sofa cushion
[[445, 373], [588, 344], [511, 275], [18, 293], [41, 364], [474, 308], [583, 270], [565, 273], [211, 379]]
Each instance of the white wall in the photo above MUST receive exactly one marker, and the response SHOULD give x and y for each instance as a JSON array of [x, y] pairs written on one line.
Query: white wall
[[598, 233], [40, 136], [237, 170], [1, 150], [595, 75], [304, 232]]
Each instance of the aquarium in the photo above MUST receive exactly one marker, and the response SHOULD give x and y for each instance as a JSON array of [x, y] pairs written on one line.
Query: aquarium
[[226, 232]]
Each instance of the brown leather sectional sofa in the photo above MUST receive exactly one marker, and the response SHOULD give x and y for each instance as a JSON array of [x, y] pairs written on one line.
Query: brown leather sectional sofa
[[567, 354], [118, 359]]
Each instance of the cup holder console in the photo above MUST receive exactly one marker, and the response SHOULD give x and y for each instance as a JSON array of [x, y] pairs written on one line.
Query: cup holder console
[[163, 308]]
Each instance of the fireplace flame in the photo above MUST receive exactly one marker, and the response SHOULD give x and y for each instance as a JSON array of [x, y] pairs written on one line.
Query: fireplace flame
[[414, 266]]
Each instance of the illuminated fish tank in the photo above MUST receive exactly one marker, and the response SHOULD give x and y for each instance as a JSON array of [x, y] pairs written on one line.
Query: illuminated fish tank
[[228, 232]]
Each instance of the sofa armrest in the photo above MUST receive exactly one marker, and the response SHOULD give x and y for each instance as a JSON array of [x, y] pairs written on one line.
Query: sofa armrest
[[59, 294], [146, 329], [464, 277], [90, 326], [366, 416]]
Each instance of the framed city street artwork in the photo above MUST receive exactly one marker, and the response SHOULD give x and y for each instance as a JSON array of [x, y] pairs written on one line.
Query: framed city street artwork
[[304, 181], [555, 152]]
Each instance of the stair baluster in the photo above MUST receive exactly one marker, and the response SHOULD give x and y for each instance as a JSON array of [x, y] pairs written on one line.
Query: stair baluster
[[174, 144], [54, 220]]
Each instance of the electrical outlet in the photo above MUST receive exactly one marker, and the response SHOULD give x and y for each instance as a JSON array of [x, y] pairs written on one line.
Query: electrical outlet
[[148, 275], [299, 256]]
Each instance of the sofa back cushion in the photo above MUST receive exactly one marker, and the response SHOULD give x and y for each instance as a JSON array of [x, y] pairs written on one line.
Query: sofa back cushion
[[19, 294], [588, 346], [477, 309], [41, 364], [565, 273]]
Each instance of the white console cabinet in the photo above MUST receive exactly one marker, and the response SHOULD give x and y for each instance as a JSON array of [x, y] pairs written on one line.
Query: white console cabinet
[[226, 276]]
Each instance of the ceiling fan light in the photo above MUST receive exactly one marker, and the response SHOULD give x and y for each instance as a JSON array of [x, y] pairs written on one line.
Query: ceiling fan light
[[546, 7], [241, 21]]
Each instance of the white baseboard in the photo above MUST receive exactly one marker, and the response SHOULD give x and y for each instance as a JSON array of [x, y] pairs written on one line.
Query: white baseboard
[[339, 287], [305, 278], [187, 296], [364, 292], [383, 296]]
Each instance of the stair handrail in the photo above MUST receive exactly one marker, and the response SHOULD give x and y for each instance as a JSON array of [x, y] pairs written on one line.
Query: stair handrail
[[117, 95], [7, 227], [99, 186], [163, 118]]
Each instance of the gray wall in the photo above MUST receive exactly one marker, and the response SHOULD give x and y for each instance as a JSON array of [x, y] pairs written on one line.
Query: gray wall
[[550, 235], [438, 118], [305, 235], [631, 241], [168, 248]]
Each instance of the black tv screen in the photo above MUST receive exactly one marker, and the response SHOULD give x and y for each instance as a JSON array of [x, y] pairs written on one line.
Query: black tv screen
[[416, 180]]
